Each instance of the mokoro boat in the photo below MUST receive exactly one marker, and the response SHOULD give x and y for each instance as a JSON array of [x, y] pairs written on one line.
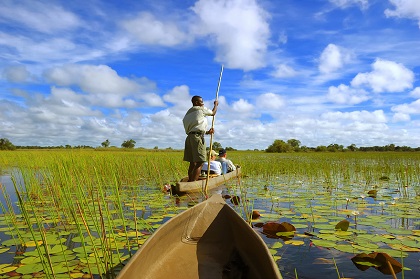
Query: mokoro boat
[[209, 240], [199, 185]]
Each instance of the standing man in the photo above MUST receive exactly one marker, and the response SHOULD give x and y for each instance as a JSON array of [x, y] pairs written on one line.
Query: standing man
[[195, 125]]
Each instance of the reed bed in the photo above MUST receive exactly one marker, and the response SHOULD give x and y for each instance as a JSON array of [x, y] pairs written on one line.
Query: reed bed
[[83, 213]]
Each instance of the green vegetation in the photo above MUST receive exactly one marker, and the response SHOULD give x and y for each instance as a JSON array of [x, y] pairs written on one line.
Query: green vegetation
[[128, 143], [83, 212], [294, 145], [5, 144], [278, 146], [106, 143]]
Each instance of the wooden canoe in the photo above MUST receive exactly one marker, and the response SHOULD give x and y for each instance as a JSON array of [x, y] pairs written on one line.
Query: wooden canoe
[[199, 185], [209, 240]]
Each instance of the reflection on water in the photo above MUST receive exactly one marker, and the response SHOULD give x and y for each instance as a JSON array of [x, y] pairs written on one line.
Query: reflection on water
[[7, 191]]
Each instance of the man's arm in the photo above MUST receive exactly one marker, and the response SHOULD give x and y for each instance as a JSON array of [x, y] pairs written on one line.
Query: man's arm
[[214, 110], [231, 166]]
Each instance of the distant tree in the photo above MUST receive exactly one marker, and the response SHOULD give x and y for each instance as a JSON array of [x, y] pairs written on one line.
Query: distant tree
[[304, 148], [279, 146], [106, 143], [390, 147], [5, 144], [217, 146], [156, 147], [83, 147], [321, 148], [294, 143], [335, 147], [129, 143], [352, 147], [403, 148]]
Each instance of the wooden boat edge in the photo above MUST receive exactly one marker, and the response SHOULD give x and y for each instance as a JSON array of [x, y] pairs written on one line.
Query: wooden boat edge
[[198, 186], [222, 205]]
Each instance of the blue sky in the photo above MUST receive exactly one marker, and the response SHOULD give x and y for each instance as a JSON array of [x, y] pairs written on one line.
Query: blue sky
[[320, 71]]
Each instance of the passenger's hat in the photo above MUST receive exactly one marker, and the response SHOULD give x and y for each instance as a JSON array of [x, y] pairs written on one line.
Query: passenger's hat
[[213, 153], [222, 152]]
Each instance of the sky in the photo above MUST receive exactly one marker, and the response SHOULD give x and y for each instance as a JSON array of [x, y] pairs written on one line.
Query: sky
[[319, 71]]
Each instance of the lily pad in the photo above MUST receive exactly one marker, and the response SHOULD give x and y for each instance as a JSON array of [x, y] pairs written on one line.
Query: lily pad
[[343, 225], [277, 245], [5, 268], [324, 243], [29, 268], [295, 242]]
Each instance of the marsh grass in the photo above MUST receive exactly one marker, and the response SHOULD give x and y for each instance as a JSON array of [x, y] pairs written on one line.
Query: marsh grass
[[85, 193], [104, 204]]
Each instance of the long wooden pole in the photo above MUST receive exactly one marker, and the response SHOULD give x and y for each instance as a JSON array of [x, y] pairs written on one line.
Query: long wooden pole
[[211, 135]]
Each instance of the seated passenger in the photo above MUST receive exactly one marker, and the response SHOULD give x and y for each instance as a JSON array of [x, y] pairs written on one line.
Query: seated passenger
[[222, 158], [215, 166]]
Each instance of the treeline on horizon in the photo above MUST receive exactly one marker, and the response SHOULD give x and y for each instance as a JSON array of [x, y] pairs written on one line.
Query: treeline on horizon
[[278, 146], [294, 145]]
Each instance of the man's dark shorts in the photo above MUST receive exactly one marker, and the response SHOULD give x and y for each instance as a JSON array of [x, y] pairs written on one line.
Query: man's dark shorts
[[195, 150]]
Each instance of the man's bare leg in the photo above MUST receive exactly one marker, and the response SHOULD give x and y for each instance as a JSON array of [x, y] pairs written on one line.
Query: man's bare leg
[[194, 171]]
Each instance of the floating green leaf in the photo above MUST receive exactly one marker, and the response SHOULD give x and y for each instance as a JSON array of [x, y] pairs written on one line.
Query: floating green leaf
[[295, 242], [30, 268], [324, 243], [342, 225], [3, 250], [277, 245], [4, 268]]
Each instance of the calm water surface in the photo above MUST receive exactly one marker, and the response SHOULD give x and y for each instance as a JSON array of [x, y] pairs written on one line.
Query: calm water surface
[[279, 203]]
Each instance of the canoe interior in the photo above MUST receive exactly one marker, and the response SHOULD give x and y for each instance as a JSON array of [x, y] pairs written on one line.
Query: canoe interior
[[199, 186], [210, 240]]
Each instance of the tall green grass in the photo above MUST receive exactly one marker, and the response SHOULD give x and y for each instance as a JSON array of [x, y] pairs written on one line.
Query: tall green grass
[[104, 201]]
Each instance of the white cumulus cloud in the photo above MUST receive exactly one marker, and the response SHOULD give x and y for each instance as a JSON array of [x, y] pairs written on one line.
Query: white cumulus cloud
[[400, 117], [386, 76], [38, 15], [344, 94], [333, 58], [412, 108], [104, 86], [91, 78], [180, 97], [149, 30], [405, 9], [377, 116], [16, 73], [239, 29], [415, 93], [269, 101], [283, 71], [242, 109]]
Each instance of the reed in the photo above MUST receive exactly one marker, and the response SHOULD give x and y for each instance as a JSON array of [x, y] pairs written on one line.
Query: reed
[[111, 200]]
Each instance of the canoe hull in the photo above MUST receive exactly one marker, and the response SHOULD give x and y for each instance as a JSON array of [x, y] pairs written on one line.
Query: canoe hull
[[209, 240], [199, 186]]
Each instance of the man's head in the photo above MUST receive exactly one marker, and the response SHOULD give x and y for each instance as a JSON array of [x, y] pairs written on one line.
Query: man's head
[[197, 101], [222, 152]]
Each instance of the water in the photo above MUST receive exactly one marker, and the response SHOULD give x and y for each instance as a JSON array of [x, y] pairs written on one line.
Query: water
[[6, 182], [391, 212], [284, 200]]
